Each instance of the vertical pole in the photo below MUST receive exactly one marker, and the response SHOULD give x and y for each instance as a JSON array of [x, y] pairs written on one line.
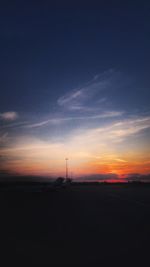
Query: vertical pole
[[66, 168]]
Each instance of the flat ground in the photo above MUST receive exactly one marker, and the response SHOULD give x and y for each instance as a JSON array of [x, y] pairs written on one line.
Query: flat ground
[[76, 226]]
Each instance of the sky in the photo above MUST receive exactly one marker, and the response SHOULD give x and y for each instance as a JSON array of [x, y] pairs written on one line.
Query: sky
[[75, 83]]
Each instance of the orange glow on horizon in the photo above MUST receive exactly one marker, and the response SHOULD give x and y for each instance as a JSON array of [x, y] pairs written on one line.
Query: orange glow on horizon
[[57, 168], [48, 159]]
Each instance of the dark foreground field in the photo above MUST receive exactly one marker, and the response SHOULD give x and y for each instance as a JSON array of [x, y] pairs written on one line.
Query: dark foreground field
[[78, 225]]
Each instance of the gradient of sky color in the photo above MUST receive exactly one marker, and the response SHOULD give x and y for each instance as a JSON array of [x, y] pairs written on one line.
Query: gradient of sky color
[[75, 83]]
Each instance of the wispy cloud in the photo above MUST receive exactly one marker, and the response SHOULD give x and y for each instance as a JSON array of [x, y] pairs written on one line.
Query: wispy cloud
[[77, 99], [3, 137], [60, 120], [130, 127], [92, 150], [14, 125], [115, 131], [73, 96], [84, 103], [9, 116], [120, 160]]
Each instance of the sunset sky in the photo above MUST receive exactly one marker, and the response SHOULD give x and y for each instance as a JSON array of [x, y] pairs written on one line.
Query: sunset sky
[[75, 83]]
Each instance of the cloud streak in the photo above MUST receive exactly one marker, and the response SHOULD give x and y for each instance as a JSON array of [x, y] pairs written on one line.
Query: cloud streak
[[3, 138], [85, 128], [116, 131], [77, 99], [9, 116], [60, 120], [92, 150]]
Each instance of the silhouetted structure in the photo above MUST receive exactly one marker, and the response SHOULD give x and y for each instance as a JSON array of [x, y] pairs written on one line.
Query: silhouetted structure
[[59, 181], [66, 168]]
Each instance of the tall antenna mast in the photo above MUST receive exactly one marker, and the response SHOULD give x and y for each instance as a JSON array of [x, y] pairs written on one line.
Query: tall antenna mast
[[66, 159]]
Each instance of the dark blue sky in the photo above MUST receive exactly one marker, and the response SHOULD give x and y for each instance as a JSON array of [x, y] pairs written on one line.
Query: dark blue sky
[[46, 51], [75, 79]]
